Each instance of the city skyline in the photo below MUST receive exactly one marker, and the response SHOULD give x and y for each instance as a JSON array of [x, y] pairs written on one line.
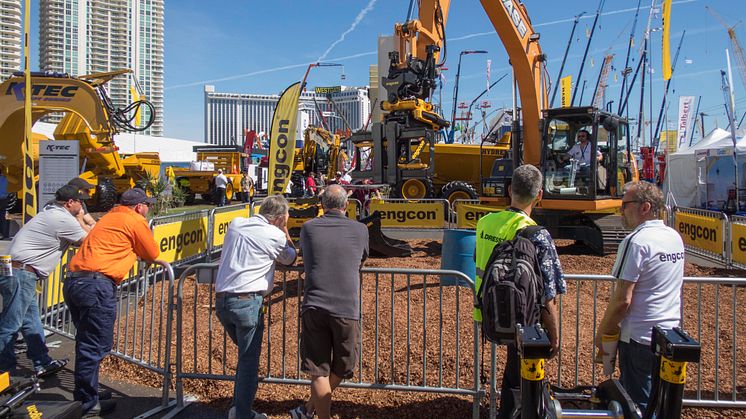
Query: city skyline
[[84, 37]]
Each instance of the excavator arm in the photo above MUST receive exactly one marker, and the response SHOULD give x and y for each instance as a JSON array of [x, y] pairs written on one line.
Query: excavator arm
[[414, 67]]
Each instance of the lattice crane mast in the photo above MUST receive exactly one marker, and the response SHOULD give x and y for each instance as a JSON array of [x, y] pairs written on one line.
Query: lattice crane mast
[[737, 50]]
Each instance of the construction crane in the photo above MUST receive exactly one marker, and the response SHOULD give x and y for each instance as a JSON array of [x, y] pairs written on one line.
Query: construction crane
[[737, 50]]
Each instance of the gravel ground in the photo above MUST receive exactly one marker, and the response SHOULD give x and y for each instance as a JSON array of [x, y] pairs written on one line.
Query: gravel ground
[[437, 339]]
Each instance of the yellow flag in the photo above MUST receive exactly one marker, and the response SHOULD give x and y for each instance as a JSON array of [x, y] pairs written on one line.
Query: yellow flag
[[136, 98], [282, 140], [566, 86], [666, 40]]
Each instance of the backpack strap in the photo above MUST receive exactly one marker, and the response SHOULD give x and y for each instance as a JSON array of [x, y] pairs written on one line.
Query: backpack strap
[[529, 231]]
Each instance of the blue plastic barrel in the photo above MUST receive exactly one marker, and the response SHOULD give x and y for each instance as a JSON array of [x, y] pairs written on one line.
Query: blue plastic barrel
[[458, 255]]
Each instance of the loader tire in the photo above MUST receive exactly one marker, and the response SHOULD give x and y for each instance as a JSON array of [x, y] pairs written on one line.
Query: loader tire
[[458, 190], [414, 188], [106, 195]]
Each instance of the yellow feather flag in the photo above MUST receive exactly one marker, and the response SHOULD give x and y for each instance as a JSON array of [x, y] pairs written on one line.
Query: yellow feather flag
[[282, 139], [566, 86], [666, 40], [136, 98]]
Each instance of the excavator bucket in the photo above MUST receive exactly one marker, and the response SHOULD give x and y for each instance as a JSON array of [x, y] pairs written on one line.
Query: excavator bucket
[[381, 245]]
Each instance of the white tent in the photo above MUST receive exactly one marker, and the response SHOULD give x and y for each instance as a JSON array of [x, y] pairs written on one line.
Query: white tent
[[682, 177]]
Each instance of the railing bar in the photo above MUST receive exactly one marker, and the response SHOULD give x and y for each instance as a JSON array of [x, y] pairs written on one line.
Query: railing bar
[[734, 346], [376, 377], [210, 327], [440, 331], [284, 323], [194, 319], [409, 326], [458, 333], [577, 331], [699, 338], [595, 321], [393, 330], [424, 331], [717, 342]]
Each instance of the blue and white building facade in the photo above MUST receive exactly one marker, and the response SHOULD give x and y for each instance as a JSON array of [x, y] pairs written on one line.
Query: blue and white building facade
[[228, 114]]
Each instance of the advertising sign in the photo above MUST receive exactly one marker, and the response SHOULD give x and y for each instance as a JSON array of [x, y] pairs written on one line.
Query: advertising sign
[[469, 215], [410, 214], [58, 163], [221, 221], [181, 239], [699, 231]]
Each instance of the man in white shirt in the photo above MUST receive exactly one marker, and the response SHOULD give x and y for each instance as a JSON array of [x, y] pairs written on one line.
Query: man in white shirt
[[583, 149], [221, 183], [246, 275], [650, 272]]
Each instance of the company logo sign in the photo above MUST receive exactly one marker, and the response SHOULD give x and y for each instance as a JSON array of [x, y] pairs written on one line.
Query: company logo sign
[[43, 92]]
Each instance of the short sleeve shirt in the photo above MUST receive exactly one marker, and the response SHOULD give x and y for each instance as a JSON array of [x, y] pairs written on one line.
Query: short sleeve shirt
[[581, 153], [221, 181], [549, 265], [652, 257], [43, 240]]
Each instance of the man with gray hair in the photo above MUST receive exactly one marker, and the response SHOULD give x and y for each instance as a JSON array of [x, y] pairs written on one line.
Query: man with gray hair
[[525, 192], [334, 248], [245, 276], [650, 272]]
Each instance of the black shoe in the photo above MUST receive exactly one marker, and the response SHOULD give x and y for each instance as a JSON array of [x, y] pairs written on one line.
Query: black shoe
[[104, 394], [52, 368], [102, 407]]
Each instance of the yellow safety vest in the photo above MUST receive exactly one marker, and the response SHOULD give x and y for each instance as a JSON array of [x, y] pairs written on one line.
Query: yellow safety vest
[[493, 229]]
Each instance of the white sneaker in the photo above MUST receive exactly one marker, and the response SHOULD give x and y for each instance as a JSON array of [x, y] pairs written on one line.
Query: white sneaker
[[232, 414]]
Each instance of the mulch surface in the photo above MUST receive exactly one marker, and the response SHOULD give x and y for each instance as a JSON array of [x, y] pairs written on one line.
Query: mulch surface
[[435, 348]]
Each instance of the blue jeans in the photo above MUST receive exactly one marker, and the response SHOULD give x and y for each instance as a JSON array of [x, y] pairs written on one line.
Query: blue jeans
[[21, 314], [636, 361], [243, 320], [91, 298]]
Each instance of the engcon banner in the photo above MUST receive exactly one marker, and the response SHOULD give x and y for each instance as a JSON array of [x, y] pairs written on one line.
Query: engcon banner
[[410, 214], [294, 222], [220, 223], [181, 239], [699, 231], [282, 140], [469, 215], [738, 243]]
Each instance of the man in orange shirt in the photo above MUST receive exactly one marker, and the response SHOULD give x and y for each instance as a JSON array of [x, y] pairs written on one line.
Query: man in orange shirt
[[104, 259]]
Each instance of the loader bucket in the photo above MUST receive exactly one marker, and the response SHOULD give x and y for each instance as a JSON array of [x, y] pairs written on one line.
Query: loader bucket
[[380, 245]]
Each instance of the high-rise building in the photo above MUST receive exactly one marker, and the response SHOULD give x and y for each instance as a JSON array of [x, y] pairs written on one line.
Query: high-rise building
[[10, 37], [92, 36], [228, 114]]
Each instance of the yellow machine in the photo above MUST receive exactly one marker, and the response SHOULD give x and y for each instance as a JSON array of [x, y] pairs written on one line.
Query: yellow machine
[[89, 118], [322, 152], [405, 153], [230, 159]]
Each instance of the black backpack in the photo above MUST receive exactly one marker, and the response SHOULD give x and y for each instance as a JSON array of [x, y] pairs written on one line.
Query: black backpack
[[511, 288]]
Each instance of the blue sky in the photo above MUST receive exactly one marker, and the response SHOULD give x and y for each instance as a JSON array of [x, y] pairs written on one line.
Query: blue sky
[[244, 46]]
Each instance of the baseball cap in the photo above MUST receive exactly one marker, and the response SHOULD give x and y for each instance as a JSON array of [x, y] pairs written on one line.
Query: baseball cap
[[80, 183], [67, 193], [135, 196]]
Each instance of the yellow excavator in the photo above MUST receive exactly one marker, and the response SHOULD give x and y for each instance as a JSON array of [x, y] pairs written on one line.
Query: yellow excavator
[[89, 118], [580, 201]]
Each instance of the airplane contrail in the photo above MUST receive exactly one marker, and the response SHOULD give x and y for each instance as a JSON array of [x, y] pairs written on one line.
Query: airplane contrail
[[368, 53], [352, 27]]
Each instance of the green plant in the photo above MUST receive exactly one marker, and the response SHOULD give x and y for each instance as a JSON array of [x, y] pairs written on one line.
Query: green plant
[[167, 195]]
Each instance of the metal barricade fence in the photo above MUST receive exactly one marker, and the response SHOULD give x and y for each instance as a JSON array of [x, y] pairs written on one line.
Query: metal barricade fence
[[713, 240], [737, 241], [712, 320], [395, 351], [215, 219], [144, 324], [453, 211]]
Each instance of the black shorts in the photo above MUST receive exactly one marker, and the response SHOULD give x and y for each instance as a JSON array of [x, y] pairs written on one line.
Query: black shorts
[[328, 344]]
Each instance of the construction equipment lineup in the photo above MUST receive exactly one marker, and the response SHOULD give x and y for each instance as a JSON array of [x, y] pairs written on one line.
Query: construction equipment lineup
[[416, 169]]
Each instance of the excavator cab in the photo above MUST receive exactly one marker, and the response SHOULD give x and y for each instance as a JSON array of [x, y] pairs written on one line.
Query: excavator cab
[[580, 154]]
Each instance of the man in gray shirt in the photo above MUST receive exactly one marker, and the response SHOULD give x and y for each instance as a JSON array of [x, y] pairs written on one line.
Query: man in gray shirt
[[334, 247], [35, 251]]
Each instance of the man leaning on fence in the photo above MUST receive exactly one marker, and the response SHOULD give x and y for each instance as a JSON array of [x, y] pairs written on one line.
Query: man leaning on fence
[[245, 276], [525, 192], [35, 251], [334, 247], [650, 272], [105, 258]]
